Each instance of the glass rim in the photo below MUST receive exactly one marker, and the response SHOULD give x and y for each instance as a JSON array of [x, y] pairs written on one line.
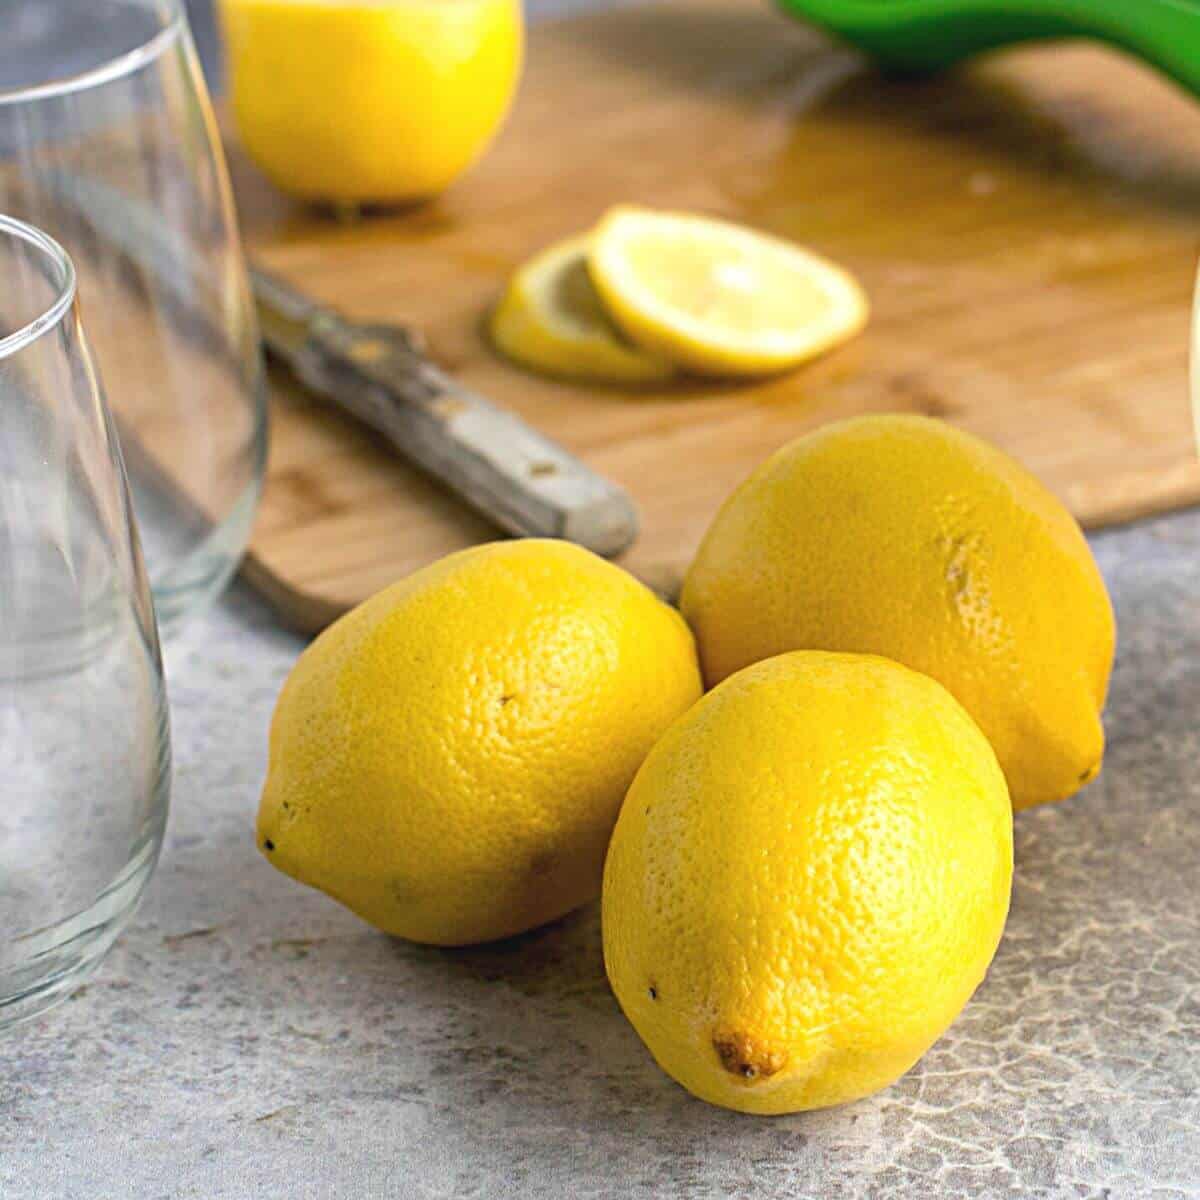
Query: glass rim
[[64, 279], [111, 69]]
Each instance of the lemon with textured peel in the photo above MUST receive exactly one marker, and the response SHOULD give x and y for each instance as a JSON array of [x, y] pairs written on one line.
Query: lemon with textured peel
[[448, 759], [903, 536], [807, 881], [551, 320], [718, 298], [370, 101]]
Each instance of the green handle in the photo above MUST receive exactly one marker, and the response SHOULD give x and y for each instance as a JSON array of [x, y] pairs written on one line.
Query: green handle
[[928, 34]]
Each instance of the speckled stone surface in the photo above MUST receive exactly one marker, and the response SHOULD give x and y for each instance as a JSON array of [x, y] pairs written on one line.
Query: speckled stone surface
[[248, 1038]]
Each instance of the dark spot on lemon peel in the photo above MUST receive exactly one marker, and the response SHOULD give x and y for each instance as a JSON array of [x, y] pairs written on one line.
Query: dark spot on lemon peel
[[1090, 774], [506, 699], [742, 1056], [541, 864], [268, 845], [653, 992]]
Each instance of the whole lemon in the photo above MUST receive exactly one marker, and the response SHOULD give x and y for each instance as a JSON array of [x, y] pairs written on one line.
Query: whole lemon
[[448, 759], [370, 101], [905, 537], [808, 879]]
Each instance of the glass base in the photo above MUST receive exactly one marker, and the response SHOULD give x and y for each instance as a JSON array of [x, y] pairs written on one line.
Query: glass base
[[188, 587], [44, 968]]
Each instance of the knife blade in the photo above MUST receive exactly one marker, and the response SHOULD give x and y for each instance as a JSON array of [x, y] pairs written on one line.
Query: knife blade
[[506, 470]]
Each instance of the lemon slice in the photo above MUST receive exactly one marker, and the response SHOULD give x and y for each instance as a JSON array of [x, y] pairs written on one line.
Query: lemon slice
[[551, 319], [717, 298]]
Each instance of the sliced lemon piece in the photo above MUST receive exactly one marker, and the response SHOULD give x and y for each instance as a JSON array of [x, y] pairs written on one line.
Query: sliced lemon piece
[[717, 298], [551, 319]]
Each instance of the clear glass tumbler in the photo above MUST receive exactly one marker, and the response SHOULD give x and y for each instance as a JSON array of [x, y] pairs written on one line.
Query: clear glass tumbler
[[107, 142], [84, 743]]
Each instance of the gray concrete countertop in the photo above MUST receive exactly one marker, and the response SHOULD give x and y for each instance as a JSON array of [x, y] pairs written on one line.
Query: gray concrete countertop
[[248, 1038]]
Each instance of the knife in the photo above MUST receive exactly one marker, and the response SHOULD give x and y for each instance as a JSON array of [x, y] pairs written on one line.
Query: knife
[[503, 468], [506, 470]]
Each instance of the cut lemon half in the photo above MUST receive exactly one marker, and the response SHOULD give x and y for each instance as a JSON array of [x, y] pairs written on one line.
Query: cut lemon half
[[720, 299], [550, 319]]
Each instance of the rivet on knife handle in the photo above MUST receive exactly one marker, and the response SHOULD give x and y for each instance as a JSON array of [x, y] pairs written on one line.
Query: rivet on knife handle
[[513, 475]]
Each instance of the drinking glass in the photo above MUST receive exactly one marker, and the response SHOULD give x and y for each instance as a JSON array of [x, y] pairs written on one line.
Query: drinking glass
[[107, 142], [84, 745]]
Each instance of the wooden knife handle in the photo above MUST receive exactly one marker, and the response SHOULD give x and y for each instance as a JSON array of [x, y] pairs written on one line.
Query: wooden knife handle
[[513, 475]]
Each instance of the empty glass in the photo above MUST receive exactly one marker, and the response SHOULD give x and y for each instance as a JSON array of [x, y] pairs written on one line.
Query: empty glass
[[107, 142], [84, 746]]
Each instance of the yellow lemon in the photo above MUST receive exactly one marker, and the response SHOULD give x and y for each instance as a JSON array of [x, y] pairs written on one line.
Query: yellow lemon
[[370, 101], [448, 759], [551, 319], [807, 881], [902, 536], [717, 298]]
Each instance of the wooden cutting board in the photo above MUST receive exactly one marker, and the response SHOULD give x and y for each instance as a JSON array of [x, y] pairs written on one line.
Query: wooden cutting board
[[1027, 229]]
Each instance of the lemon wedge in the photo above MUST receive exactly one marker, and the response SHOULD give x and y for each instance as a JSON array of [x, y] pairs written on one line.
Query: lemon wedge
[[550, 319], [717, 298]]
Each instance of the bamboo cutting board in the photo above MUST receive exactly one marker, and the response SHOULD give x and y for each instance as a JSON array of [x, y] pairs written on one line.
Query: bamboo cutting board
[[1027, 229]]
